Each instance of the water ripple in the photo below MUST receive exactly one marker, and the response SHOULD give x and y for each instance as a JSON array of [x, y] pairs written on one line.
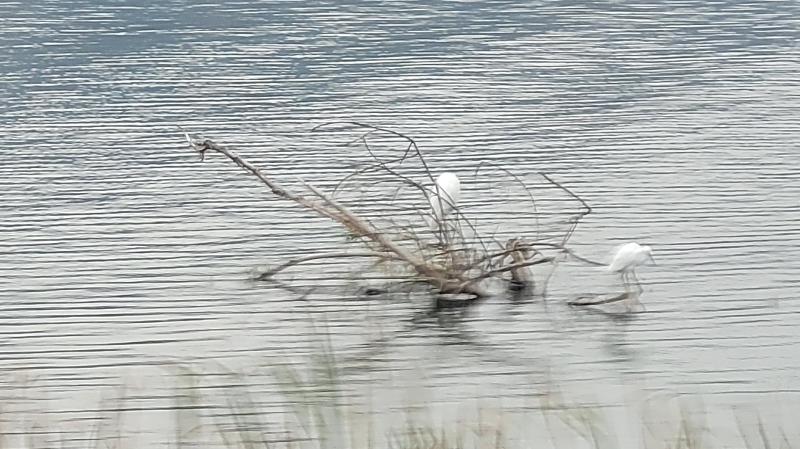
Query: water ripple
[[677, 121]]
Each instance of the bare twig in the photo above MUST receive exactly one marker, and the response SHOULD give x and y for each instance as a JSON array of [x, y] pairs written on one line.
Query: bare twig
[[277, 189], [520, 182], [272, 272], [505, 268], [412, 143], [580, 215]]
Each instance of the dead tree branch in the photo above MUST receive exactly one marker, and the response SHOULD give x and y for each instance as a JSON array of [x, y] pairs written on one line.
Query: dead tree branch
[[460, 261], [443, 280]]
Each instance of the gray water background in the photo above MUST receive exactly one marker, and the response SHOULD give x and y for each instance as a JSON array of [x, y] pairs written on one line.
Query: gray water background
[[121, 255]]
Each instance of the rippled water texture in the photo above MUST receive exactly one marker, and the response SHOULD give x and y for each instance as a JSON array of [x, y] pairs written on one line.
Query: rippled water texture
[[122, 256]]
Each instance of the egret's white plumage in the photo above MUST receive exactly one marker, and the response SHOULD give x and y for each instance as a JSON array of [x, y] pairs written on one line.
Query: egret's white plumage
[[628, 257], [444, 197]]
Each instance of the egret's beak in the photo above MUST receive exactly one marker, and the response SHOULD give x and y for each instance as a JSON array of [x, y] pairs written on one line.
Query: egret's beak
[[650, 256]]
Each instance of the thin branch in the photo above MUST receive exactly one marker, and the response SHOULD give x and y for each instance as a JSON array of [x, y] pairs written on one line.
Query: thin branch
[[570, 192], [569, 252], [277, 189], [510, 267], [272, 272], [550, 275], [379, 164], [524, 186], [531, 246], [351, 217], [412, 143], [580, 214]]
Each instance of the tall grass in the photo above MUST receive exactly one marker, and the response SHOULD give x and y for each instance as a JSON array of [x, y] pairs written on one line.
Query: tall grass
[[318, 414], [311, 409]]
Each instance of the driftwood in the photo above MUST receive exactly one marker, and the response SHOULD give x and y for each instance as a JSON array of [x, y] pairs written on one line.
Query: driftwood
[[458, 263]]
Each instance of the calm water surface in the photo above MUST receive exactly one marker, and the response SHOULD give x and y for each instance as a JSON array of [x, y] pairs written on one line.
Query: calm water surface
[[122, 257]]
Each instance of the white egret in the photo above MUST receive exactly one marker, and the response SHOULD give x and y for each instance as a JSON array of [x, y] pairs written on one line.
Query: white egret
[[628, 257], [444, 197]]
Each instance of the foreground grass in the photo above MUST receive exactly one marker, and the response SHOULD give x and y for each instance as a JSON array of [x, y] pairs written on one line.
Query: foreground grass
[[312, 409], [317, 414]]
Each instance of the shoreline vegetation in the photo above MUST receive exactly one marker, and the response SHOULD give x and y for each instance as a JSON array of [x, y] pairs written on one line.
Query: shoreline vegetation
[[313, 408]]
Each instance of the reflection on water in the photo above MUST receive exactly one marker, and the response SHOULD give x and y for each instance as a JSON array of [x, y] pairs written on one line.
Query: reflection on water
[[121, 254]]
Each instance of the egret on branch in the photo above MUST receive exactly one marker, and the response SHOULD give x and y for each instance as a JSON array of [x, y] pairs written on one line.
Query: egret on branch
[[444, 197], [628, 257]]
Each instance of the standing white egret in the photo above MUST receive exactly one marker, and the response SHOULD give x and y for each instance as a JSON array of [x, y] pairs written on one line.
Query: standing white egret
[[628, 257], [444, 197]]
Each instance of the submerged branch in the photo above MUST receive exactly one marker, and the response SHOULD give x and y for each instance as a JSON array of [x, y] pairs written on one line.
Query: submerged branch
[[272, 272]]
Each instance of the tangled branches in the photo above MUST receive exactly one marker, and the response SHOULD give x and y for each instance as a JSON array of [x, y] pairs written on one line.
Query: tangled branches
[[453, 257]]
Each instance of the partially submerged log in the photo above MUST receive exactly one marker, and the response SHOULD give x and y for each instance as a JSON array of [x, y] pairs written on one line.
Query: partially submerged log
[[452, 266]]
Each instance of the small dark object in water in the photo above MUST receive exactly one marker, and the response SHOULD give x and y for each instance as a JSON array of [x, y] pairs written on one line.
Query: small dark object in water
[[374, 291], [453, 303], [515, 286]]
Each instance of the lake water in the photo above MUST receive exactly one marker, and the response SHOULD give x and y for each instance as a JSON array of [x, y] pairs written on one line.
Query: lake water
[[123, 258]]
